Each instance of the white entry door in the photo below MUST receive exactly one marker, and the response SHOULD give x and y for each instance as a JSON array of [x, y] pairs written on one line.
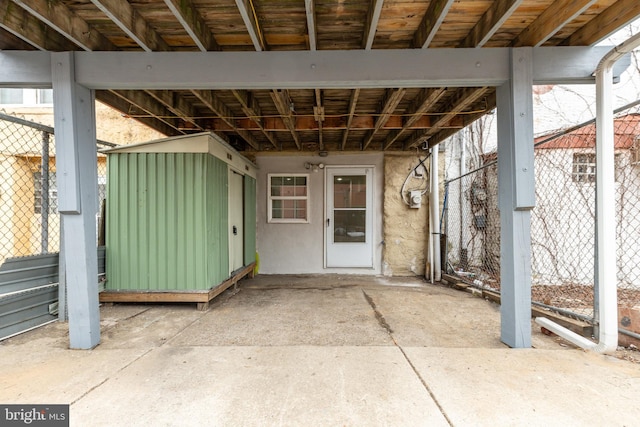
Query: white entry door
[[236, 221], [349, 217]]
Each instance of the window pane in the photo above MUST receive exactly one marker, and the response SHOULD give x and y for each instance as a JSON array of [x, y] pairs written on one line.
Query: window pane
[[11, 96], [350, 191], [349, 226], [45, 96]]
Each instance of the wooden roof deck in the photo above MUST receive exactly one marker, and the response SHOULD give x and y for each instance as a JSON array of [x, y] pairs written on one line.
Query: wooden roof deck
[[307, 119]]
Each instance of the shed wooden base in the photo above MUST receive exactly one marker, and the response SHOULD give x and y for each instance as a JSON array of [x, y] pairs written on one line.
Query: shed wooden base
[[202, 298]]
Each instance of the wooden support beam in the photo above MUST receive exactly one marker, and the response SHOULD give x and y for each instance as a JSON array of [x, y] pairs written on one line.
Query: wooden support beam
[[310, 11], [490, 22], [370, 27], [425, 100], [352, 109], [556, 16], [319, 117], [152, 107], [177, 105], [214, 104], [431, 22], [191, 20], [132, 24], [251, 108], [616, 16], [282, 101], [248, 13], [393, 98], [57, 15], [119, 103]]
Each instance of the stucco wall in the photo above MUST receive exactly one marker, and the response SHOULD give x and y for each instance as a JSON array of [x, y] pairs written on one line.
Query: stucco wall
[[405, 229], [299, 248]]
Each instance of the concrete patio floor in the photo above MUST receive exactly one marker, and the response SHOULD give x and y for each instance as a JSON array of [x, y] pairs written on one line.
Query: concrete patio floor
[[315, 351]]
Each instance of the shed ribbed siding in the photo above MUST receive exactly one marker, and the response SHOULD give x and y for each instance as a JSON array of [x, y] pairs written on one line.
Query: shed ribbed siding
[[167, 216], [249, 220]]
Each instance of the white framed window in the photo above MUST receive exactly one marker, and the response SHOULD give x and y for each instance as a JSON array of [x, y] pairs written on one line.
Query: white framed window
[[288, 200], [584, 167], [26, 97], [37, 193]]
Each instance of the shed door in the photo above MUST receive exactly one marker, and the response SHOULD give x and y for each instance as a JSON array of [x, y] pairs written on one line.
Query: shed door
[[236, 221]]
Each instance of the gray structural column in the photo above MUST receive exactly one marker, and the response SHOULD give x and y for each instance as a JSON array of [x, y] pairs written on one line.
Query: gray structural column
[[76, 172], [516, 197]]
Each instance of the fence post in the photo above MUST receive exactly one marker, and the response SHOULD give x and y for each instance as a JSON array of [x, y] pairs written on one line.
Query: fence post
[[44, 178]]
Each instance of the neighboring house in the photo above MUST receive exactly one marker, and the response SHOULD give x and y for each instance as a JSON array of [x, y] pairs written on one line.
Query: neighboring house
[[21, 215], [563, 220]]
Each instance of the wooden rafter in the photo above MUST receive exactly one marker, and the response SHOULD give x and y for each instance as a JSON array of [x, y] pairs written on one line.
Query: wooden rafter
[[463, 99], [59, 17], [248, 13], [370, 27], [551, 21], [423, 103], [150, 106], [252, 110], [392, 99], [352, 109], [177, 105], [431, 22], [310, 11], [132, 24], [282, 101], [616, 16], [209, 99], [187, 14], [490, 22]]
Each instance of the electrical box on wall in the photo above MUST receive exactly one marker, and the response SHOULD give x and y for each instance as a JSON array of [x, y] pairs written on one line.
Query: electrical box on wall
[[415, 199]]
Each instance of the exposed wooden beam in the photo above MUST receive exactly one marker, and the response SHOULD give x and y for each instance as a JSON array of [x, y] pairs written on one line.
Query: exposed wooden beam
[[556, 16], [121, 104], [252, 109], [249, 16], [318, 111], [616, 16], [132, 24], [443, 134], [425, 100], [10, 41], [352, 109], [191, 20], [370, 27], [463, 99], [150, 106], [177, 105], [310, 11], [209, 99], [58, 16], [28, 28], [431, 22], [490, 22], [282, 101], [392, 99]]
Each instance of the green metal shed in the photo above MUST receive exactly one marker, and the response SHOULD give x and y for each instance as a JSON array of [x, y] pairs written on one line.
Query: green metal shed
[[181, 219]]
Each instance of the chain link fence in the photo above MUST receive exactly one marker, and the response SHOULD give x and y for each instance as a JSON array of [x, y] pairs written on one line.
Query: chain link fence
[[562, 223], [29, 219]]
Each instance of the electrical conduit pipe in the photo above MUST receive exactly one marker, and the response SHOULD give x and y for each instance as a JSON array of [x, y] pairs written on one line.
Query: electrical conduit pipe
[[605, 211]]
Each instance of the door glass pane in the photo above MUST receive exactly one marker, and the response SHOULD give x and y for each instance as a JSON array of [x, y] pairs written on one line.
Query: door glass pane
[[350, 191], [349, 225]]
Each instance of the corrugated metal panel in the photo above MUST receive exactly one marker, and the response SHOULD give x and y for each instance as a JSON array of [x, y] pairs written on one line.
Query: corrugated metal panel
[[17, 274], [164, 217], [24, 310], [249, 220]]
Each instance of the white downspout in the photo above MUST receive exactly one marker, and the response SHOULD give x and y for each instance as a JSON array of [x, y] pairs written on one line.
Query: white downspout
[[605, 211], [434, 214]]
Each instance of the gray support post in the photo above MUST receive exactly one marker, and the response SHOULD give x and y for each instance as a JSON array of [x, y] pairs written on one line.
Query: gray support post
[[44, 194], [76, 167], [516, 193]]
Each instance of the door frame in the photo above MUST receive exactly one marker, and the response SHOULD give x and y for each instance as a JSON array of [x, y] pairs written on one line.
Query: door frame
[[231, 172], [371, 208]]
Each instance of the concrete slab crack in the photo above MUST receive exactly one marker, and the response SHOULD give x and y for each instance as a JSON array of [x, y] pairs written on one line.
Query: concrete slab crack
[[383, 323]]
